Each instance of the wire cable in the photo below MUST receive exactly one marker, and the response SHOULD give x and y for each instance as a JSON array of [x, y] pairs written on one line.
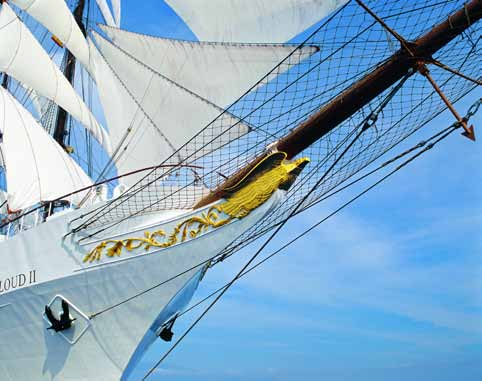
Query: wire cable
[[246, 268], [364, 128], [324, 219]]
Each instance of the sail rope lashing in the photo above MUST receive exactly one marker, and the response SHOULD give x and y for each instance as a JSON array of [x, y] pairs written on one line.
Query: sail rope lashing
[[137, 191], [165, 44], [370, 120], [427, 144], [248, 267], [346, 52]]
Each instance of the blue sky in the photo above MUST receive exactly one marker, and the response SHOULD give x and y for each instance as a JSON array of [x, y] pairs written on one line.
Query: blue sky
[[389, 289]]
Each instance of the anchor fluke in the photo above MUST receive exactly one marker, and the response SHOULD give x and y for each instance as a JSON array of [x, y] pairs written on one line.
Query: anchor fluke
[[166, 334], [64, 322]]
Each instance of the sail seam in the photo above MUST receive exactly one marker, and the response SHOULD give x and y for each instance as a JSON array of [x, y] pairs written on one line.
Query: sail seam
[[138, 104], [20, 34], [205, 43], [167, 79], [31, 145]]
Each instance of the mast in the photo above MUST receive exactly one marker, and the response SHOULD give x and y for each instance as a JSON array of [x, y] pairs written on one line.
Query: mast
[[412, 56], [60, 130]]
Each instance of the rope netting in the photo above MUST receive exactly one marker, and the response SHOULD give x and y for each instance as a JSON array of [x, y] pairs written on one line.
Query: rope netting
[[351, 44]]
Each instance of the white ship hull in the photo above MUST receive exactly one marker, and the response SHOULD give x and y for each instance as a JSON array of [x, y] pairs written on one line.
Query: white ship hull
[[42, 266]]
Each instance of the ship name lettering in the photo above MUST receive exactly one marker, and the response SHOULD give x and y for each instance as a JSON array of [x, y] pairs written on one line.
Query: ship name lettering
[[18, 281]]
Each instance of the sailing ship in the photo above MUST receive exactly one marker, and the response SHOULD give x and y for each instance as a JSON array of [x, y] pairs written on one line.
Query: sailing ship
[[214, 143]]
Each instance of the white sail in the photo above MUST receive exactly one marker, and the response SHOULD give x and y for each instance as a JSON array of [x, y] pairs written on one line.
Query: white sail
[[219, 72], [55, 15], [251, 20], [22, 57], [106, 13], [116, 7], [37, 168], [149, 116]]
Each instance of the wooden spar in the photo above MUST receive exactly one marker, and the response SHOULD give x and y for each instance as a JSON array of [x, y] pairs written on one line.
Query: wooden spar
[[365, 90], [60, 130]]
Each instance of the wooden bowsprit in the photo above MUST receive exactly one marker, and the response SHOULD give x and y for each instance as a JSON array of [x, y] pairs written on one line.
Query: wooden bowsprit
[[421, 66], [411, 57]]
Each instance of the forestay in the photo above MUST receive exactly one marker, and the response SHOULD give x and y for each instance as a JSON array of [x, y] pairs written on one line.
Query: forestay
[[218, 72], [57, 18], [22, 57], [37, 168], [252, 20]]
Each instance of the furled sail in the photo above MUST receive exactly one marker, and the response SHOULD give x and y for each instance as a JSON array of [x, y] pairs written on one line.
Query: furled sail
[[22, 57], [63, 25], [251, 20], [106, 13], [149, 116], [37, 168], [207, 68]]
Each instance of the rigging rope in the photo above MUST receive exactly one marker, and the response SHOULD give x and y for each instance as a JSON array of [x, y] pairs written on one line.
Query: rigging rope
[[309, 84], [280, 101], [338, 210], [473, 109], [263, 246], [366, 124], [247, 269], [141, 185]]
